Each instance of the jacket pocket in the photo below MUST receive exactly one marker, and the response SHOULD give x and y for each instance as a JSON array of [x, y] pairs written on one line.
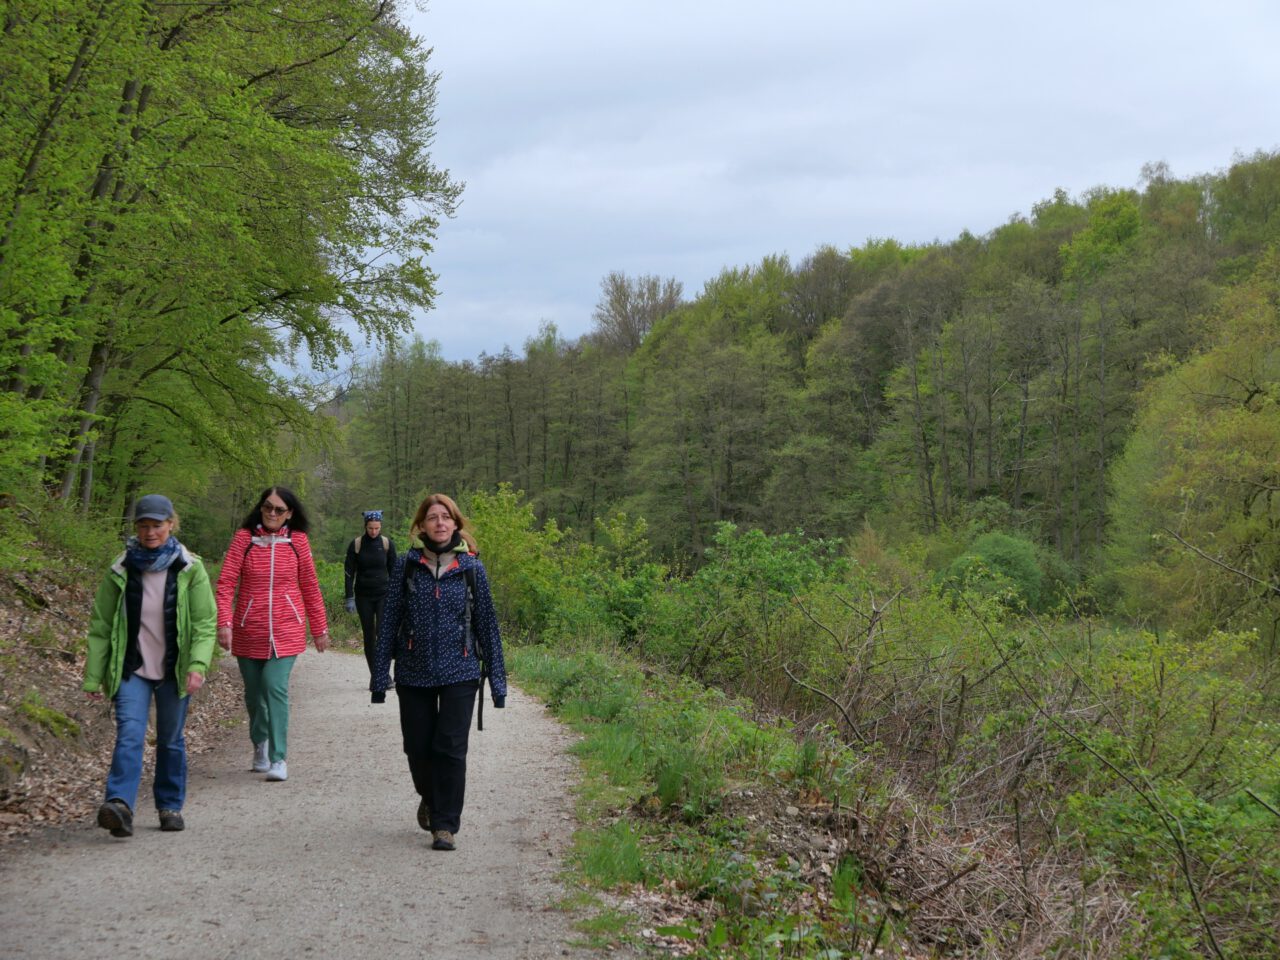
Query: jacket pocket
[[247, 607], [294, 607]]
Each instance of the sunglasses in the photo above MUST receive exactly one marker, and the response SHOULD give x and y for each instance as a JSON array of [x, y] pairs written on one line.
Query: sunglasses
[[273, 509]]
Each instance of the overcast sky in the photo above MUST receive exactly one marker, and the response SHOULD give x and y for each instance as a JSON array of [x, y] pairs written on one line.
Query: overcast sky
[[681, 138]]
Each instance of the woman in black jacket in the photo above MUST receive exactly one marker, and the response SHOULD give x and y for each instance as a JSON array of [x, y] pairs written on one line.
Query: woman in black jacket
[[370, 558]]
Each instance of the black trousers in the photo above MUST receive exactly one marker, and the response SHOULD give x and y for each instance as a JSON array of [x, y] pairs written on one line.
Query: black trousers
[[436, 723], [370, 611]]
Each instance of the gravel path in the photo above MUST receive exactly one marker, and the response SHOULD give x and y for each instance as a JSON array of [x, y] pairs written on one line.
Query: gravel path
[[330, 863]]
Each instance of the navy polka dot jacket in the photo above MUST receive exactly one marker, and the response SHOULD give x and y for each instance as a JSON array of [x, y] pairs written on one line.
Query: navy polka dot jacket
[[435, 650]]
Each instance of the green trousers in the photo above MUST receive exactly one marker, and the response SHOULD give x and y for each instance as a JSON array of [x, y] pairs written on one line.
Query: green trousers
[[266, 695]]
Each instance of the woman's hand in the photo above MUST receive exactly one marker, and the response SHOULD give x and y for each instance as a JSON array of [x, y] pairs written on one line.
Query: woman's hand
[[94, 695], [194, 681], [224, 638], [322, 642]]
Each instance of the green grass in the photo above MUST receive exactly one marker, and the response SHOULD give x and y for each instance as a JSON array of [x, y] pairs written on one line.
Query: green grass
[[611, 856], [658, 756]]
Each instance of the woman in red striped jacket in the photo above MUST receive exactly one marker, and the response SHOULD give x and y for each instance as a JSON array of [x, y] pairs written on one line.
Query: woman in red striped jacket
[[267, 595]]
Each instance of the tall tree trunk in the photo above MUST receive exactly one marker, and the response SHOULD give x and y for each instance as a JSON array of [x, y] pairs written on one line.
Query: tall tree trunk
[[91, 393]]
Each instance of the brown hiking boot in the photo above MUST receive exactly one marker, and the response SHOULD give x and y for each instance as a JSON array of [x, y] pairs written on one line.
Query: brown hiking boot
[[443, 840], [424, 814]]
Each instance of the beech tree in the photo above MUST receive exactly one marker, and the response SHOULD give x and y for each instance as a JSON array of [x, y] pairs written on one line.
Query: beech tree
[[201, 195]]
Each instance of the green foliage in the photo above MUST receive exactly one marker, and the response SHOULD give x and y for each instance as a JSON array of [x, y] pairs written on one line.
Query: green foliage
[[610, 857], [190, 205], [904, 385], [39, 532], [688, 745], [1000, 566], [670, 743], [1233, 850], [1149, 759], [1194, 511], [342, 625], [519, 558], [738, 610], [1114, 222]]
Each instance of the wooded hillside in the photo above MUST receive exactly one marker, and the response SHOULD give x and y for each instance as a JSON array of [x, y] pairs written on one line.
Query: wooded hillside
[[1097, 378]]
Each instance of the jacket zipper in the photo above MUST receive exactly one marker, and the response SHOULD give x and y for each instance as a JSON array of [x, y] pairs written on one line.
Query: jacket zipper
[[271, 589]]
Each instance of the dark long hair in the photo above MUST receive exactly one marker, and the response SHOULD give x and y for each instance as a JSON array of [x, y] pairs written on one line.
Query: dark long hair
[[297, 522]]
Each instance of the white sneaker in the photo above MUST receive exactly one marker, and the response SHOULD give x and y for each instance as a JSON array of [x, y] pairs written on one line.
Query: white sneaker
[[278, 771], [260, 761]]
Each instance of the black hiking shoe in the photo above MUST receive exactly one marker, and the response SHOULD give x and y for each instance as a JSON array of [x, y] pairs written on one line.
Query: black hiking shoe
[[424, 814], [171, 821], [115, 815]]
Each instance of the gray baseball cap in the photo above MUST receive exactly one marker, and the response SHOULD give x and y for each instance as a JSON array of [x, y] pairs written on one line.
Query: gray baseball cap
[[152, 507]]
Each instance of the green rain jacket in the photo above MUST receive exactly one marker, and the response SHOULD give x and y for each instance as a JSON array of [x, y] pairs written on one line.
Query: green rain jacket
[[109, 627]]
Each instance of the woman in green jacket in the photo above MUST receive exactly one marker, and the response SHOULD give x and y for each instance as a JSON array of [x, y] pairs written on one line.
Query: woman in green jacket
[[151, 637]]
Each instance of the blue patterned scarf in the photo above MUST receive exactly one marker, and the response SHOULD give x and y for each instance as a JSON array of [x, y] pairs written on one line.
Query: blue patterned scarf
[[149, 561]]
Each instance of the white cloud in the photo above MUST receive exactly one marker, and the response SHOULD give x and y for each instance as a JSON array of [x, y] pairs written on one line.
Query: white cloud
[[682, 138]]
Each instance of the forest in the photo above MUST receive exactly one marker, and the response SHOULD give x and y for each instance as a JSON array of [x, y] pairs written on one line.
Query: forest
[[989, 523]]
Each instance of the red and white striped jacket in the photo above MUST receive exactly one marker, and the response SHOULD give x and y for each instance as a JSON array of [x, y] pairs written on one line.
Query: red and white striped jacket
[[271, 578]]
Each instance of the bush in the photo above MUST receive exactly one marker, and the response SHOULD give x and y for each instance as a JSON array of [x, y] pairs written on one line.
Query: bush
[[333, 588], [1001, 566]]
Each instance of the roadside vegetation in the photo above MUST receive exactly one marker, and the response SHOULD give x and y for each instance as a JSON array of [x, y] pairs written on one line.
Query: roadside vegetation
[[806, 751]]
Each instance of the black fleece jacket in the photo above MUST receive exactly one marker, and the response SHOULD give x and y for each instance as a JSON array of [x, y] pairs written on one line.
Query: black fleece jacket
[[367, 571]]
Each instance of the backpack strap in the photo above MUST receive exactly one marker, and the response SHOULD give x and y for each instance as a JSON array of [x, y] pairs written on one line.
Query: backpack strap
[[289, 541], [469, 574], [407, 586], [386, 544]]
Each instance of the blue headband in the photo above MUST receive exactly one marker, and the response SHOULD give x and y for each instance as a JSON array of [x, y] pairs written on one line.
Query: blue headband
[[373, 515]]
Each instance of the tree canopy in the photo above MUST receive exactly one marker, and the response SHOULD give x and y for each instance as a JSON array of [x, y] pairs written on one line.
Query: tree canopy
[[200, 200]]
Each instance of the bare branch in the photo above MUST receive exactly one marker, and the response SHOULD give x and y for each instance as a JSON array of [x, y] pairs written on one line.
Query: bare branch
[[834, 702], [1271, 585], [1264, 803]]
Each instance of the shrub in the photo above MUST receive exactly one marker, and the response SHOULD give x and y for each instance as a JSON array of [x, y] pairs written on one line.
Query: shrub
[[333, 588], [1002, 566]]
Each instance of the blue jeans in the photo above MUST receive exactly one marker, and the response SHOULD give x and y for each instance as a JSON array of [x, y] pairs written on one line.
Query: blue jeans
[[133, 706]]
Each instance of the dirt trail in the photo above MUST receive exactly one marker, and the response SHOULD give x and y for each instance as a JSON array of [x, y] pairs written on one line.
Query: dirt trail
[[330, 863]]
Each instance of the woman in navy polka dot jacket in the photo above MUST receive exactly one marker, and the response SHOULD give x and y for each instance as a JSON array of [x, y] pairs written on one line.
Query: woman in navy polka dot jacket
[[437, 653]]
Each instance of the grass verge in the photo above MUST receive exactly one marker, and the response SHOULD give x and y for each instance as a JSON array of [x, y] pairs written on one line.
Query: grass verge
[[705, 831]]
